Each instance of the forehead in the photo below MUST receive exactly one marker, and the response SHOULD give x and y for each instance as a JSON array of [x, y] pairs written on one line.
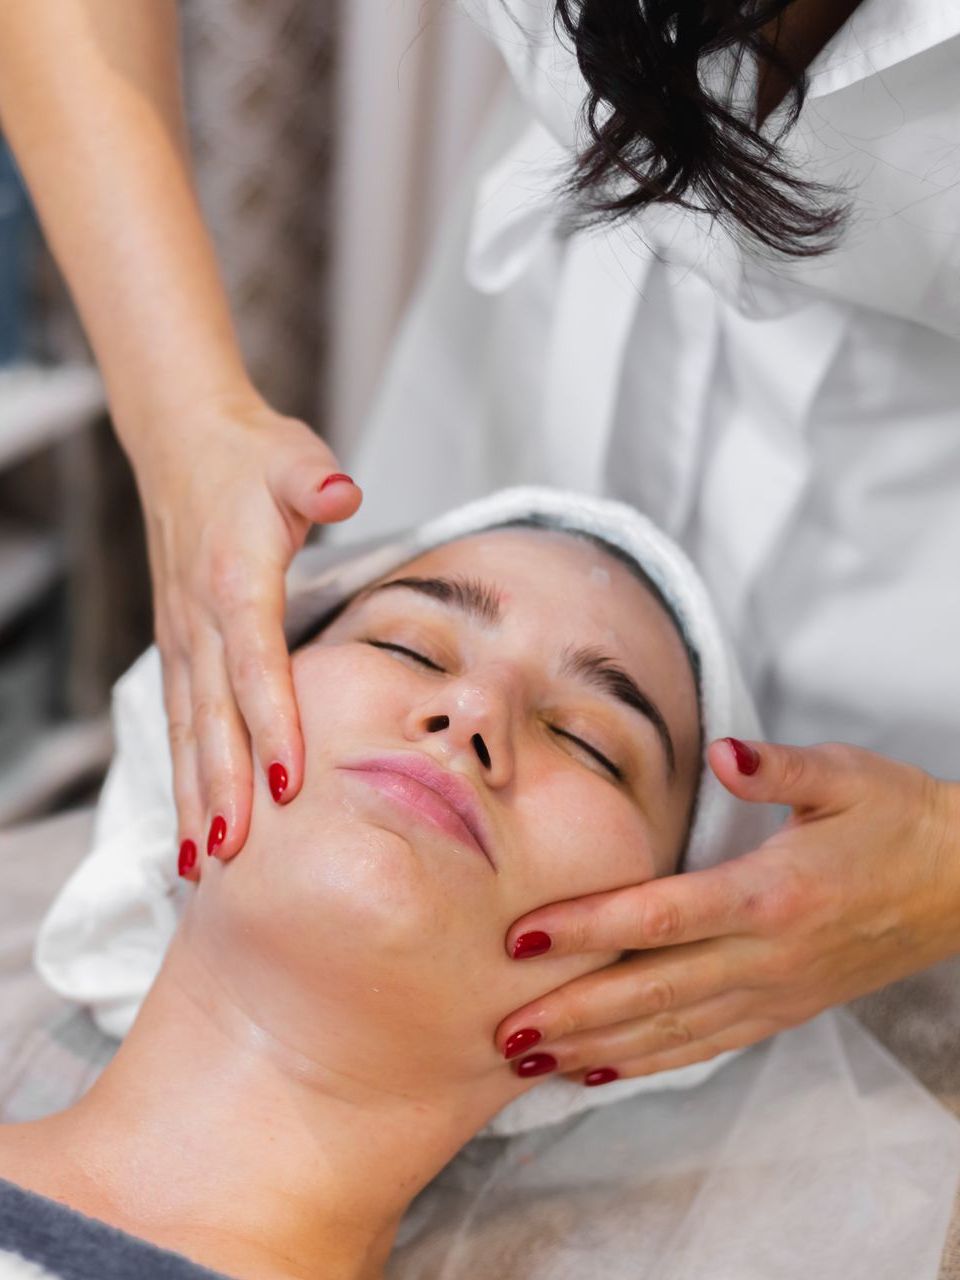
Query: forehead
[[552, 577], [542, 565]]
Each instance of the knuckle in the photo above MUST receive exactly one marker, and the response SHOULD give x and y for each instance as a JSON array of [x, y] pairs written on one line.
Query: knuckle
[[783, 901], [208, 710], [229, 583], [844, 766], [793, 769], [671, 1031], [248, 667], [657, 994], [178, 645], [777, 970], [179, 734], [839, 755], [568, 1021], [660, 920]]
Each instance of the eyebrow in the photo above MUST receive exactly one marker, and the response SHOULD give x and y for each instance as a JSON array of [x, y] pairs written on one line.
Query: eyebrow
[[479, 601], [469, 595], [598, 669]]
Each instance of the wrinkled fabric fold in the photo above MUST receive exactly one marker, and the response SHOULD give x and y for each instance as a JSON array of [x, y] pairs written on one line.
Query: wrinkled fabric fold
[[814, 1154]]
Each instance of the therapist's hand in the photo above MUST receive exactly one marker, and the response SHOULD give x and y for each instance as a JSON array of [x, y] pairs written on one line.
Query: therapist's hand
[[230, 489], [859, 888]]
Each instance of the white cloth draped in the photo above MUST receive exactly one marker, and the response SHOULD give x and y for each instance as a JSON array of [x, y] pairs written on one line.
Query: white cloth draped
[[792, 422], [414, 79]]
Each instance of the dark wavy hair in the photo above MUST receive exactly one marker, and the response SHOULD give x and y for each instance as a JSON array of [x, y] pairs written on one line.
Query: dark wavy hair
[[657, 134]]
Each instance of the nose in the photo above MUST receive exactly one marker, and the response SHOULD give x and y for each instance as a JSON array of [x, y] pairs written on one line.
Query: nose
[[472, 719]]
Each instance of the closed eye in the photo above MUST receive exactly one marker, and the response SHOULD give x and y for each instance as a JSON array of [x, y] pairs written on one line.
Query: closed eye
[[597, 755], [410, 653], [600, 758]]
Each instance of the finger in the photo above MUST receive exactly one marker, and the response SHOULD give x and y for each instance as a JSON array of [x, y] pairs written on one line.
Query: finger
[[258, 667], [317, 488], [658, 913], [646, 1037], [740, 1036], [222, 745], [183, 754], [641, 986], [820, 777]]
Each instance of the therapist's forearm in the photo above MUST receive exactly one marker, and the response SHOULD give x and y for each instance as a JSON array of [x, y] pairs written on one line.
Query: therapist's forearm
[[90, 102]]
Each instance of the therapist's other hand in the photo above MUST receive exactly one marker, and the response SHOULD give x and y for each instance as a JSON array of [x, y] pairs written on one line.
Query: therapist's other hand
[[230, 489], [860, 887]]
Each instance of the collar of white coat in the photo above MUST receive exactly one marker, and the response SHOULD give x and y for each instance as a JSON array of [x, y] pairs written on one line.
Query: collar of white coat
[[517, 204], [879, 34]]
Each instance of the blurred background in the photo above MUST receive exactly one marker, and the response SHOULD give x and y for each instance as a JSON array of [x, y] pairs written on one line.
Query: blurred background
[[327, 136]]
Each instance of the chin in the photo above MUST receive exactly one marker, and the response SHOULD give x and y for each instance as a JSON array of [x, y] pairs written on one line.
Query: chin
[[353, 884], [359, 904], [359, 926]]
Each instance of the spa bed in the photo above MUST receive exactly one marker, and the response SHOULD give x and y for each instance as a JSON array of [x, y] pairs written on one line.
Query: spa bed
[[50, 1050]]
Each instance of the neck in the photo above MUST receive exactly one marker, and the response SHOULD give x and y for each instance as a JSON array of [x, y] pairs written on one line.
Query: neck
[[207, 1135], [798, 34]]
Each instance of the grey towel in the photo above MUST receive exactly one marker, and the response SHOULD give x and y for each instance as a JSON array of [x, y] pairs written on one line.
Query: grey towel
[[70, 1246]]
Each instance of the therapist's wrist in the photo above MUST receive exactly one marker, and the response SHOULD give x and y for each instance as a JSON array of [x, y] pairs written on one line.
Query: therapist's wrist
[[155, 397], [157, 420]]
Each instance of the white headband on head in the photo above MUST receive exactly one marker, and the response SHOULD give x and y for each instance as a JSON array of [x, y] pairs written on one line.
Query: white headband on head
[[105, 936]]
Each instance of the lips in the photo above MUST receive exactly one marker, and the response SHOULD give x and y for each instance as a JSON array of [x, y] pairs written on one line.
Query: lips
[[444, 797]]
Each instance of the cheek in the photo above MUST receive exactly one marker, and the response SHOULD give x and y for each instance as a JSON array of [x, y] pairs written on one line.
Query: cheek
[[582, 838], [345, 693], [585, 838], [354, 701], [314, 884], [321, 886]]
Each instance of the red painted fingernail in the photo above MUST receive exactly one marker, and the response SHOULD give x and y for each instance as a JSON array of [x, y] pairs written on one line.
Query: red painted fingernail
[[748, 760], [521, 1041], [538, 1064], [602, 1075], [187, 858], [277, 776], [337, 478], [531, 944], [218, 833]]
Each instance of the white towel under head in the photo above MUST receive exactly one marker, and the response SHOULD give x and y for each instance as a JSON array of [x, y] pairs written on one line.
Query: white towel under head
[[104, 938]]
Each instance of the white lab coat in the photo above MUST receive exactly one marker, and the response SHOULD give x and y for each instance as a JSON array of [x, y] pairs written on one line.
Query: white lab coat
[[794, 424]]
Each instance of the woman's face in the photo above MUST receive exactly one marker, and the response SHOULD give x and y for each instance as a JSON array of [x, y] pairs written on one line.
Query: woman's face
[[552, 698]]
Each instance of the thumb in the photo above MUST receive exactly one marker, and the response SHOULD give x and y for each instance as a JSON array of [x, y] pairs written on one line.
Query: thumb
[[315, 488], [816, 777]]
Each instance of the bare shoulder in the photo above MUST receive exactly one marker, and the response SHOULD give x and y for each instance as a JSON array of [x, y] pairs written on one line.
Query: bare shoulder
[[21, 1151], [36, 1157], [32, 1158]]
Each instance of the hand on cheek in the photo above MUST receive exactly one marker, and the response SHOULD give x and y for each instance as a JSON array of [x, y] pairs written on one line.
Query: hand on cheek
[[859, 888]]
